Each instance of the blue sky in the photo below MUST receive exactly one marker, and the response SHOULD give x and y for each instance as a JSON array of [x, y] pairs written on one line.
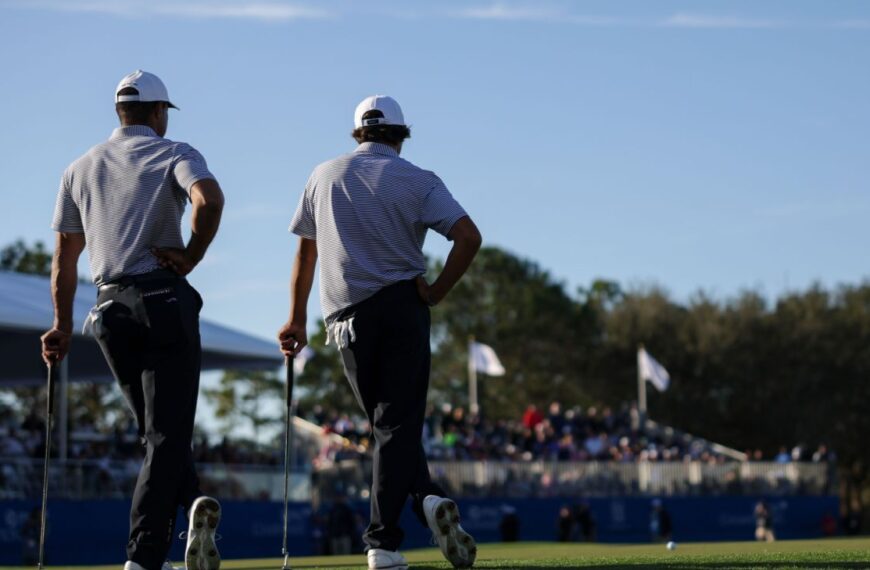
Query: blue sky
[[694, 145]]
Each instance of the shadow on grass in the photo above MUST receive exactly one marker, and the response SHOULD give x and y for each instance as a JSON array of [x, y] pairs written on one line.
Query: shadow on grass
[[297, 566], [674, 565], [641, 566], [732, 565]]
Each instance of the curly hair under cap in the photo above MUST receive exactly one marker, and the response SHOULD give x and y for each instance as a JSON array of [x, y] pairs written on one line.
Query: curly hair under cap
[[385, 134]]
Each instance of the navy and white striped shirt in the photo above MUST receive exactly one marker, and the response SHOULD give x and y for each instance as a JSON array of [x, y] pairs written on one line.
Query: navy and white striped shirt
[[127, 195], [369, 212]]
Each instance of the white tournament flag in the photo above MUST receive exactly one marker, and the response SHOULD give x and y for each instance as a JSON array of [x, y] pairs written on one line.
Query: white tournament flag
[[306, 354], [650, 369], [484, 359]]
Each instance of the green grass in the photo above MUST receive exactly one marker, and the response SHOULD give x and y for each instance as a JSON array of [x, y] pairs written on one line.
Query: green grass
[[802, 554]]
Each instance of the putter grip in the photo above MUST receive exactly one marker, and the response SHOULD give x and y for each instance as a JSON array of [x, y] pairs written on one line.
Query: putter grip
[[289, 387], [52, 377]]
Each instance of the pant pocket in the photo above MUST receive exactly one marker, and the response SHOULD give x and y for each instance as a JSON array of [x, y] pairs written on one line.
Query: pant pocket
[[163, 309]]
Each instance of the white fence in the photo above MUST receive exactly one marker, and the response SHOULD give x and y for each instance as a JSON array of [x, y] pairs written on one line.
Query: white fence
[[20, 478], [542, 479], [596, 478], [96, 479]]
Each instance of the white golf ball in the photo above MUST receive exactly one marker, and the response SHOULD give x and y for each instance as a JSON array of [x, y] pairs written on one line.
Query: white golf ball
[[671, 545]]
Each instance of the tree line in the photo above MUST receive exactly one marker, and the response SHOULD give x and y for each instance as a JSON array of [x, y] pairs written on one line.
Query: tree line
[[746, 371]]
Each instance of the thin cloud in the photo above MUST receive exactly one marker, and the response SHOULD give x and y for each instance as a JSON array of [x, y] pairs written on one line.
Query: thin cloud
[[529, 13], [853, 24], [239, 10], [705, 21], [268, 12], [290, 10], [504, 12]]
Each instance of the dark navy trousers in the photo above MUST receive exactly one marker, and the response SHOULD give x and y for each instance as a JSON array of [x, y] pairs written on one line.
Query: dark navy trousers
[[388, 369], [150, 337]]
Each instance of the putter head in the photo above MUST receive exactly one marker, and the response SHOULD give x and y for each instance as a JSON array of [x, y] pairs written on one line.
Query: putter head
[[286, 563]]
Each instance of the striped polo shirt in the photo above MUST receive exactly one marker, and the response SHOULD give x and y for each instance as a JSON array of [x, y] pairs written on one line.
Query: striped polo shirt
[[369, 212], [127, 195]]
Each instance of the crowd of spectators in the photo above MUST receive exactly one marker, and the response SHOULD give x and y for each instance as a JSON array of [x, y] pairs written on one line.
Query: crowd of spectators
[[450, 434], [556, 434], [574, 438]]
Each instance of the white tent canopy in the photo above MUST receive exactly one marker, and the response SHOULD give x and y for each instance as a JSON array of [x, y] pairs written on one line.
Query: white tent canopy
[[26, 312]]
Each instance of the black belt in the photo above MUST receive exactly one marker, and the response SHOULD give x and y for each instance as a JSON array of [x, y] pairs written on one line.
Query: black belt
[[142, 279]]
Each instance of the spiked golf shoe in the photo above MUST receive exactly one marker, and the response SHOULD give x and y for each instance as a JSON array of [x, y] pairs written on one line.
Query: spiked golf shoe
[[456, 545], [201, 552], [380, 559]]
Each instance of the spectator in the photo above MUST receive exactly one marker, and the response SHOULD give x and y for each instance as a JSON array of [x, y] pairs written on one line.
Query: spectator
[[12, 445], [30, 538], [532, 417], [853, 520], [763, 522], [555, 417], [585, 522], [829, 524], [660, 522], [509, 527], [564, 524], [340, 526]]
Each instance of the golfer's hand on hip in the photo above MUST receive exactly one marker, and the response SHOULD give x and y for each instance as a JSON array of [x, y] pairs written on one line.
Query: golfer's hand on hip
[[424, 290], [292, 337], [175, 259]]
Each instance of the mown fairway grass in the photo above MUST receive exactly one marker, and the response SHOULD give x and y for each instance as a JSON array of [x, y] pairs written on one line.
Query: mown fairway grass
[[802, 554]]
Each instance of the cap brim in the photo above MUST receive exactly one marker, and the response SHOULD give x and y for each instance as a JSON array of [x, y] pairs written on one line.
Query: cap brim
[[171, 105]]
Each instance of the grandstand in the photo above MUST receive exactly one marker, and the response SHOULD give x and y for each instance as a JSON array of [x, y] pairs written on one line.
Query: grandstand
[[607, 460]]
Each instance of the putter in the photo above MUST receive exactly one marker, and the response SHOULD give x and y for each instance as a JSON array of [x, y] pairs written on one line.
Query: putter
[[48, 422], [287, 427]]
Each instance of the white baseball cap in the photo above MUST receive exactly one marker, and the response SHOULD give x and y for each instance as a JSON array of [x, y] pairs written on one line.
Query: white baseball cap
[[386, 105], [148, 85]]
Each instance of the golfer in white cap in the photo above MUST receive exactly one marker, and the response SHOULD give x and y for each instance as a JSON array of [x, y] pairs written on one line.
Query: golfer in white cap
[[124, 198], [366, 214]]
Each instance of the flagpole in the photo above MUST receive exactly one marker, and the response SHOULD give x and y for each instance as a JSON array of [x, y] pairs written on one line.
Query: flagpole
[[641, 387], [472, 380]]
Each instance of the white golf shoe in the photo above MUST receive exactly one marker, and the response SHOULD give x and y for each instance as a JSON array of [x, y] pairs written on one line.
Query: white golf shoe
[[456, 545], [383, 559], [201, 552], [130, 565]]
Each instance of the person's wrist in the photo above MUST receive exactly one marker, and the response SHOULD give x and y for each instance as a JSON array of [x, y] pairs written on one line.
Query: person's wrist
[[63, 326], [435, 295], [193, 255]]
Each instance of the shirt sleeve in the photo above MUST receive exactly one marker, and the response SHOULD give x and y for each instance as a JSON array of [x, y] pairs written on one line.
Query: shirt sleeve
[[440, 209], [190, 167], [303, 223], [67, 217]]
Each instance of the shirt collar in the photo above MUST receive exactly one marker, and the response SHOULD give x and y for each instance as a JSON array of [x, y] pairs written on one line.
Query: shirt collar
[[133, 131], [377, 148]]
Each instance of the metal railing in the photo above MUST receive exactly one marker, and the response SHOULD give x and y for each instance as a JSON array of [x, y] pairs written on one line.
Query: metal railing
[[597, 479], [544, 479], [21, 477], [89, 479]]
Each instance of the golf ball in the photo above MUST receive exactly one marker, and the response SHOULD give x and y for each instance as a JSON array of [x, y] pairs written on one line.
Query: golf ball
[[671, 545]]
